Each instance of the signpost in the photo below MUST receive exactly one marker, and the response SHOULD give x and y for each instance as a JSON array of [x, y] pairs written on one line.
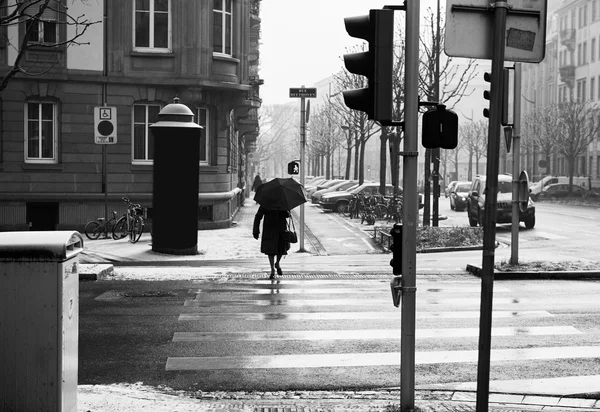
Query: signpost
[[499, 31], [105, 125], [303, 93]]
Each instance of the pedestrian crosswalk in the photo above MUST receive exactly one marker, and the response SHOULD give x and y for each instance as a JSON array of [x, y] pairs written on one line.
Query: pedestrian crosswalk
[[330, 326]]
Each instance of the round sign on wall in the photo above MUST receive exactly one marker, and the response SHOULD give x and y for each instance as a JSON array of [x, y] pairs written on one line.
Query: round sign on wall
[[542, 163]]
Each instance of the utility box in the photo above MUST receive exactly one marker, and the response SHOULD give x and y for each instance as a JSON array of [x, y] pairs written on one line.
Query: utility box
[[39, 320]]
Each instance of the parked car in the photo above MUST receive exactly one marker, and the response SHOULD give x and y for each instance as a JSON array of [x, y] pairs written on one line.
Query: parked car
[[312, 185], [339, 186], [476, 203], [537, 187], [449, 188], [322, 185], [561, 190], [459, 196], [333, 200]]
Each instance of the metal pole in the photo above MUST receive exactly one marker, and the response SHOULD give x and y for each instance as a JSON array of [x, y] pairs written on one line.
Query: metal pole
[[435, 153], [410, 212], [302, 165], [514, 242], [427, 189], [489, 227]]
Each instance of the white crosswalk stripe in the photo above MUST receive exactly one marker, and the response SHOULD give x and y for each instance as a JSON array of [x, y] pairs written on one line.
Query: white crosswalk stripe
[[321, 312]]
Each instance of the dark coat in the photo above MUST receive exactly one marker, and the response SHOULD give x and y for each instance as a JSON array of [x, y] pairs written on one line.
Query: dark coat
[[257, 182], [275, 224]]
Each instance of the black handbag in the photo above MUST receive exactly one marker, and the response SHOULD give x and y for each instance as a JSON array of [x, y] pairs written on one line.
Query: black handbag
[[289, 235]]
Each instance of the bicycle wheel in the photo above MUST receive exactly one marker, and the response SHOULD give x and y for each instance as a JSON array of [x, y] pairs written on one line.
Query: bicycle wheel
[[136, 229], [93, 230], [380, 211], [343, 208], [119, 230]]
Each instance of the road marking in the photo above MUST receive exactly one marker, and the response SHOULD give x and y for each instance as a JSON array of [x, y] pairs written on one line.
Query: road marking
[[375, 359], [280, 299], [367, 334], [269, 286], [395, 314], [549, 235], [282, 291]]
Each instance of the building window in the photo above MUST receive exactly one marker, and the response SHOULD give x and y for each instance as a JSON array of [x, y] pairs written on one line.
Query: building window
[[592, 87], [579, 54], [581, 86], [597, 166], [42, 30], [143, 143], [584, 57], [40, 132], [585, 12], [222, 39], [152, 25], [593, 50], [594, 10], [203, 120]]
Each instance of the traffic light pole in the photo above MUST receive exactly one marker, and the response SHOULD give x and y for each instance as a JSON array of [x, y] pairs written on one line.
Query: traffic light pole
[[410, 212], [500, 10], [514, 241]]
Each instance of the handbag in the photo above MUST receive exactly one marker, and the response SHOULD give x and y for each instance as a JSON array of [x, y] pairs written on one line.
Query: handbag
[[289, 235]]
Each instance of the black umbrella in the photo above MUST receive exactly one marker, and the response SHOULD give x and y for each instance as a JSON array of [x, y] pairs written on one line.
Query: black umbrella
[[280, 194]]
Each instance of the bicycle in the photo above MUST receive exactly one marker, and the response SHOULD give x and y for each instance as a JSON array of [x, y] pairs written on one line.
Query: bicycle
[[95, 228], [132, 223]]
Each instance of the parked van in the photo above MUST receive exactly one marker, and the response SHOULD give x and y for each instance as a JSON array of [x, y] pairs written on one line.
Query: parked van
[[537, 187]]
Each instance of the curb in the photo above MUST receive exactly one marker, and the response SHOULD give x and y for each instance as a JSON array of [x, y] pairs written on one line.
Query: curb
[[557, 274], [94, 271]]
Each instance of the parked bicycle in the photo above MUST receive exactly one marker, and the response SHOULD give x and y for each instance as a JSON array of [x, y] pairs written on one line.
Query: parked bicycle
[[132, 223], [100, 226]]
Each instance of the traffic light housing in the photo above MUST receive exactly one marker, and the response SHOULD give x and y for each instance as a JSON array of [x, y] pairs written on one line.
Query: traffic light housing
[[487, 95], [293, 168], [440, 129], [376, 64], [396, 247]]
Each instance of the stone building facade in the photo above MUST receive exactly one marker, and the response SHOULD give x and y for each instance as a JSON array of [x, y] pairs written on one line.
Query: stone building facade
[[139, 56]]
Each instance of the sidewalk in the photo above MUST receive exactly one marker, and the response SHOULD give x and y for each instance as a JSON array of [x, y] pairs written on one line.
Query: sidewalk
[[234, 251]]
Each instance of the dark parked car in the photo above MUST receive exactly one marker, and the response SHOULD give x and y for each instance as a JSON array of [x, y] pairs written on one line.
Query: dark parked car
[[459, 196], [476, 203], [561, 190]]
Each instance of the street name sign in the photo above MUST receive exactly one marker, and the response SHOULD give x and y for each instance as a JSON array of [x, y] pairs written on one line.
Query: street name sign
[[469, 30], [303, 92], [105, 125]]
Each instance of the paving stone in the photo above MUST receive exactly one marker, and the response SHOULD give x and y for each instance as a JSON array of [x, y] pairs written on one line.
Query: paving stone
[[577, 402], [540, 400]]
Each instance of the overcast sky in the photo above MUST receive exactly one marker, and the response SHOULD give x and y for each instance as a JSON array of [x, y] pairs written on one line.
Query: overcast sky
[[302, 41]]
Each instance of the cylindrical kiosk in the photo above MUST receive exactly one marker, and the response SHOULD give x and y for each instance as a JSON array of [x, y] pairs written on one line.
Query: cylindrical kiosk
[[175, 187]]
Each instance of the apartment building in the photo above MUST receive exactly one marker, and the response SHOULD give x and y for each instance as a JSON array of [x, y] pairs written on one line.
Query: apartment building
[[137, 58], [570, 70]]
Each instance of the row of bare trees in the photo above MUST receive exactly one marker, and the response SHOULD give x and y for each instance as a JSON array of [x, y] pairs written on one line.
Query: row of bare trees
[[333, 126]]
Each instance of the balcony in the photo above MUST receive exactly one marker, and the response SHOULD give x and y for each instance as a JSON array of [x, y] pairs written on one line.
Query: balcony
[[567, 75], [567, 38]]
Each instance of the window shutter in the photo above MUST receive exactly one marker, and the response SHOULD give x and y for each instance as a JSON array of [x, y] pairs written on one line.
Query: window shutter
[[49, 14]]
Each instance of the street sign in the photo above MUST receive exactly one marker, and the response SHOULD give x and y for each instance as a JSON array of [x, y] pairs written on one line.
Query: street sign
[[310, 92], [105, 125], [469, 30]]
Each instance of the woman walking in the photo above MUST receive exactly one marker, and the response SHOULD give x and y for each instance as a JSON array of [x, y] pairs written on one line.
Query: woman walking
[[272, 243]]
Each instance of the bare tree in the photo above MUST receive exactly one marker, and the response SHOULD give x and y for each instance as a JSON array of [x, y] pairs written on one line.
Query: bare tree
[[277, 131], [42, 20], [575, 128], [473, 136]]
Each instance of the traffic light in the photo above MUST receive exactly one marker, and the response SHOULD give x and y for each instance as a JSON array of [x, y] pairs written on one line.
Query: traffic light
[[376, 64], [487, 95], [293, 168], [440, 129]]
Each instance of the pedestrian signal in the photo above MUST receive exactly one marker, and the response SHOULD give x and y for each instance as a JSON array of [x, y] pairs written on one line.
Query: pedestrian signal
[[293, 168]]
